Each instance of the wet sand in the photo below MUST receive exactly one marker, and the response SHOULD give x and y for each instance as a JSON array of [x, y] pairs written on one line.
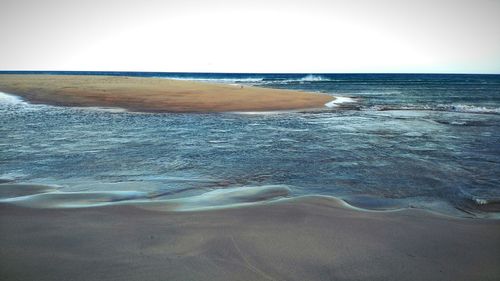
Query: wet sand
[[154, 94], [307, 238]]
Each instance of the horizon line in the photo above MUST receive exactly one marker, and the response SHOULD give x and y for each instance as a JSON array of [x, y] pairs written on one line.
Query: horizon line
[[263, 73]]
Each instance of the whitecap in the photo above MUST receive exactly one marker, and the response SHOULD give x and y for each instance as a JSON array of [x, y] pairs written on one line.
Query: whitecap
[[312, 78], [469, 108], [460, 108]]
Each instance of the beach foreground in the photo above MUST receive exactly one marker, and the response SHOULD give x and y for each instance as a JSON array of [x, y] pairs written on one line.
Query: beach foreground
[[154, 94], [306, 238]]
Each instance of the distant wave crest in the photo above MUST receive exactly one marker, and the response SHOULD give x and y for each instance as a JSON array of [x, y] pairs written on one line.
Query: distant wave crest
[[258, 80], [217, 80], [313, 78], [305, 79]]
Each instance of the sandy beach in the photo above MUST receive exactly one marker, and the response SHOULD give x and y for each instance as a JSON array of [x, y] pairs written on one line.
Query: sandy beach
[[154, 94], [307, 238]]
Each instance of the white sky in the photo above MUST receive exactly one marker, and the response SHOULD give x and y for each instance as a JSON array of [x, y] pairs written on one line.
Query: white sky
[[452, 36]]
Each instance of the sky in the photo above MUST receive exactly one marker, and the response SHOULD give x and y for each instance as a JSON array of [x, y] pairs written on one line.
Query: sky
[[304, 36]]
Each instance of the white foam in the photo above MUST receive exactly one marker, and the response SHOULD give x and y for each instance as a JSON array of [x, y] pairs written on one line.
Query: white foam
[[470, 108], [10, 99], [261, 112], [75, 199], [311, 78], [266, 80], [224, 198], [339, 100], [461, 108], [307, 78], [103, 109], [219, 198]]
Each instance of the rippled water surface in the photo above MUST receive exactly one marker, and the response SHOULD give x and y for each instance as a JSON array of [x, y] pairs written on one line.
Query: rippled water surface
[[423, 139]]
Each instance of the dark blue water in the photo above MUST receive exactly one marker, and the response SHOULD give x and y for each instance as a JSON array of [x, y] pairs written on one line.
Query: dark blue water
[[426, 140]]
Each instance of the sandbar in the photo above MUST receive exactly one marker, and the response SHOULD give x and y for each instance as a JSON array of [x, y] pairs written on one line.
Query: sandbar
[[140, 94]]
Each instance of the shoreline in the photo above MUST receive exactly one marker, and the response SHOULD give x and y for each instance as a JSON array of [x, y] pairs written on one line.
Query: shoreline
[[139, 94], [44, 196], [308, 238]]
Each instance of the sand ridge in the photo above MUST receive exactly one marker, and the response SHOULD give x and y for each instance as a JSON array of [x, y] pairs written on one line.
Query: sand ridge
[[154, 94]]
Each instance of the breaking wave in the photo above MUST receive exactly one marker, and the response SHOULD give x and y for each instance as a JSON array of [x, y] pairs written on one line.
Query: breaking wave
[[258, 80], [313, 78], [217, 80]]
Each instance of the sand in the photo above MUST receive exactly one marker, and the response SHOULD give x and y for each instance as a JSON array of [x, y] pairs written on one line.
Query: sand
[[307, 238], [154, 94]]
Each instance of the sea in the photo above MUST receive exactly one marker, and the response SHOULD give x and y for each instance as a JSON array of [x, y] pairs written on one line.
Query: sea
[[390, 141]]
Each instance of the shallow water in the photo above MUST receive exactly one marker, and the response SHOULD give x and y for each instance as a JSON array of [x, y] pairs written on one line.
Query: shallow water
[[426, 140]]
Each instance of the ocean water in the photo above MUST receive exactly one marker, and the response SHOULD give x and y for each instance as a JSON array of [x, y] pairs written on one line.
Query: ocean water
[[405, 140]]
